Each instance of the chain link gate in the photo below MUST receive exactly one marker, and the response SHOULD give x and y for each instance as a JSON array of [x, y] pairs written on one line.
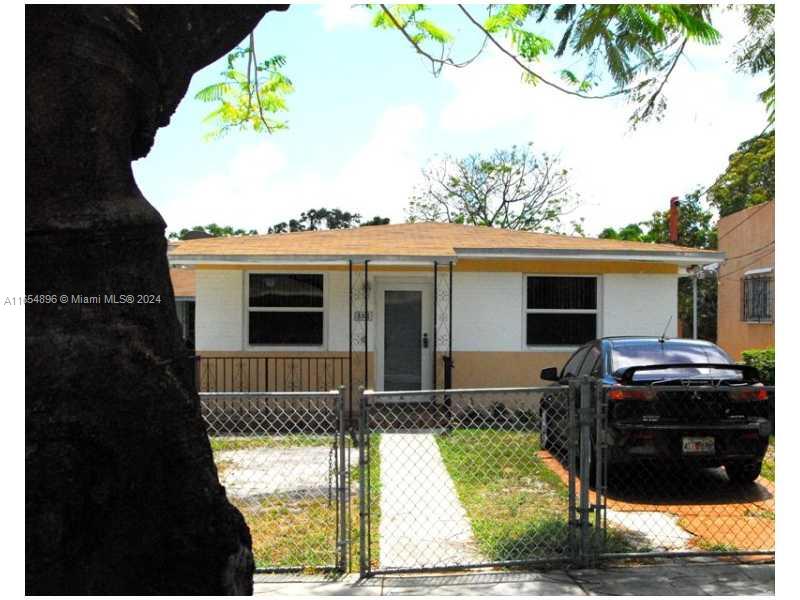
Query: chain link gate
[[284, 459], [457, 479]]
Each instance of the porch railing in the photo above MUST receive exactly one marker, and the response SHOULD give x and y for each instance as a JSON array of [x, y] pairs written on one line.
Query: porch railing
[[271, 373]]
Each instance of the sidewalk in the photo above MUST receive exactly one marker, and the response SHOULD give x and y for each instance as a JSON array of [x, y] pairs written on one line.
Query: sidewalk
[[689, 578]]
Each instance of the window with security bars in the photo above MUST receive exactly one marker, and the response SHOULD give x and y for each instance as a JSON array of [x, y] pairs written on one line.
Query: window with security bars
[[758, 298], [285, 309], [560, 311]]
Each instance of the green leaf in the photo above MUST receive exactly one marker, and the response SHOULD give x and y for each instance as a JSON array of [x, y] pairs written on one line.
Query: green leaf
[[434, 31]]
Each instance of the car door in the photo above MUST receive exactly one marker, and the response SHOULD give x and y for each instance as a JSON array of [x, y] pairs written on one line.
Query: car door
[[559, 414]]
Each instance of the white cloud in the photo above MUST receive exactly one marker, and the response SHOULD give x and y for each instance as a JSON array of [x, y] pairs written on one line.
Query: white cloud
[[622, 175], [228, 195], [336, 14], [260, 185]]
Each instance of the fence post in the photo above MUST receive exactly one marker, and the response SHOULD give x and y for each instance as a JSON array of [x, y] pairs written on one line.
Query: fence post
[[572, 442], [363, 482], [344, 501], [601, 483], [585, 421]]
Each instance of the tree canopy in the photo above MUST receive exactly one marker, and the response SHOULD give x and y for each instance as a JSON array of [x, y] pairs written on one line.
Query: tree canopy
[[749, 178], [325, 218], [626, 50], [512, 189], [212, 229]]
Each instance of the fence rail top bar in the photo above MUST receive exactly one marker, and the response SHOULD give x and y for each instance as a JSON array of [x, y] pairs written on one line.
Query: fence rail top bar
[[509, 390], [330, 394]]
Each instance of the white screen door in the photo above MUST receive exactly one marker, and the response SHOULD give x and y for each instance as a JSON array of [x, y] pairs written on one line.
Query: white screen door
[[405, 341]]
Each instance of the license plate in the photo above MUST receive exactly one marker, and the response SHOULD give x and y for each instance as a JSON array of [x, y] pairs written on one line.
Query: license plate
[[698, 445]]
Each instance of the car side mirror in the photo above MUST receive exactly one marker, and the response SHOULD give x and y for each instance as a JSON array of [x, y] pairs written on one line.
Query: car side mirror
[[549, 374]]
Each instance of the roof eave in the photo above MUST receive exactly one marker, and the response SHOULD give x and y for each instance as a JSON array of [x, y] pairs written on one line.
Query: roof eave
[[301, 259], [682, 258]]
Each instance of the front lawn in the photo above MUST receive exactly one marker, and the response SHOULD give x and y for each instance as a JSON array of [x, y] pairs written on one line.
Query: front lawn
[[297, 529], [768, 466], [517, 506]]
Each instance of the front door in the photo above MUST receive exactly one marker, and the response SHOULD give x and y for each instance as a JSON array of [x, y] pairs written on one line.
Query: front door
[[405, 337]]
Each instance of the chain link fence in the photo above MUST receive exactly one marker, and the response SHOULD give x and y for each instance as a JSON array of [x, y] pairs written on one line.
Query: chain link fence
[[688, 468], [284, 461], [454, 479]]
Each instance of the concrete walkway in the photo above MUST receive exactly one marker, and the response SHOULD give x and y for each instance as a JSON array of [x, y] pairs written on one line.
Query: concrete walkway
[[422, 521], [691, 578]]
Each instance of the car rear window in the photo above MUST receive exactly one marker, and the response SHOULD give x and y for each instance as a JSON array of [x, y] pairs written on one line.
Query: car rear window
[[658, 353]]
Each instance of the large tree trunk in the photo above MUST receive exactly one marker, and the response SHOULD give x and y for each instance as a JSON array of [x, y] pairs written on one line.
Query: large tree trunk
[[121, 492]]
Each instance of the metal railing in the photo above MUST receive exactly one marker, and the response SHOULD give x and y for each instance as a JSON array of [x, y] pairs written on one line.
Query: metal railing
[[271, 373]]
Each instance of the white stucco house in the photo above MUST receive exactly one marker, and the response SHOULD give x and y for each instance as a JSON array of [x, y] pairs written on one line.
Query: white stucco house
[[418, 306]]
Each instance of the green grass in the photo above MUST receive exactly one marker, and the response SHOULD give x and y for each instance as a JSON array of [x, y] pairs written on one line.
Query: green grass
[[219, 444], [768, 466], [517, 506], [291, 532], [711, 546], [374, 501]]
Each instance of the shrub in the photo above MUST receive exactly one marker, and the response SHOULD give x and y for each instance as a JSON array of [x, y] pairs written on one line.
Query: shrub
[[764, 361]]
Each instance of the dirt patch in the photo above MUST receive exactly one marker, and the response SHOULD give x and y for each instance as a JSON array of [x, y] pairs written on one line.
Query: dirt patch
[[719, 515]]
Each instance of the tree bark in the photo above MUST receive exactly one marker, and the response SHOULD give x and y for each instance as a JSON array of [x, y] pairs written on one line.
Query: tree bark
[[122, 495]]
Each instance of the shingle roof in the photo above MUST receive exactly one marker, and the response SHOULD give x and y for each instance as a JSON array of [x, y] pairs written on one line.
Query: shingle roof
[[408, 239], [182, 282]]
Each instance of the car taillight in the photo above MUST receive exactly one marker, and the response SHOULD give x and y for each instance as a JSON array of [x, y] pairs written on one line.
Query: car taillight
[[750, 394], [623, 394]]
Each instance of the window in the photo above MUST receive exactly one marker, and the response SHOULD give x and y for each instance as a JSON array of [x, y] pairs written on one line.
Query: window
[[574, 363], [185, 310], [758, 297], [560, 311], [285, 309], [591, 365]]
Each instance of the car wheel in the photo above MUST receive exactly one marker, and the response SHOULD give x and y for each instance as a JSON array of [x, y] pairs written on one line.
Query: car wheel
[[743, 472]]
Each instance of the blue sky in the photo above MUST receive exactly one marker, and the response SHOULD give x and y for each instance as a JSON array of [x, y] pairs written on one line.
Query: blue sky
[[367, 115]]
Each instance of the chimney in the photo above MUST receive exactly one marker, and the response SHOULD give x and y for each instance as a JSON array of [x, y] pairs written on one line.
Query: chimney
[[674, 210]]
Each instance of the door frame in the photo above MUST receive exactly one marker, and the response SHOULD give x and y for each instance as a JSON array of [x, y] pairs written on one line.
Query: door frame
[[414, 284]]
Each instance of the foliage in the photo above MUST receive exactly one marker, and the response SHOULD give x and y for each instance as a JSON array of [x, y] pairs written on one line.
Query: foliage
[[512, 189], [764, 361], [376, 220], [749, 178], [627, 50], [212, 230], [248, 99], [756, 51], [324, 218], [696, 228], [636, 46]]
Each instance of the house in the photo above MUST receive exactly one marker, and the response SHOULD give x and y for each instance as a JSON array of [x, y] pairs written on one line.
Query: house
[[420, 305], [746, 293], [184, 291]]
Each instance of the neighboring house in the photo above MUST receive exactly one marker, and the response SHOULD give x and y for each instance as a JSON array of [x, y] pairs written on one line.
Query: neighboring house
[[184, 290], [746, 300], [445, 305]]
